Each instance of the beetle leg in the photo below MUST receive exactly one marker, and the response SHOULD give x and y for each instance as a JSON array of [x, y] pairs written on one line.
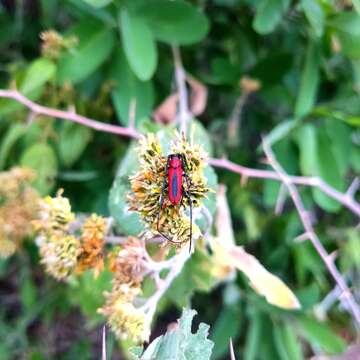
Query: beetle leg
[[187, 194], [161, 201]]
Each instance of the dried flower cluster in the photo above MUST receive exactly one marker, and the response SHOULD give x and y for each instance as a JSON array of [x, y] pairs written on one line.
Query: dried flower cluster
[[92, 244], [125, 319], [61, 251], [58, 249], [147, 184], [54, 43], [18, 204]]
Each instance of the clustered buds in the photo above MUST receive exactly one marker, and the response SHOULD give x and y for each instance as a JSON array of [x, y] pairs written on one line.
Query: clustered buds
[[61, 251], [58, 249], [125, 319], [54, 43], [147, 184], [18, 203]]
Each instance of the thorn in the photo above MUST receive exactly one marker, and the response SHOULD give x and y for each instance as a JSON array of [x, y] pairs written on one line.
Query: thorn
[[103, 357], [333, 255], [31, 117], [353, 188], [329, 259], [231, 348], [301, 238], [243, 180], [264, 161], [346, 294], [279, 207], [72, 109]]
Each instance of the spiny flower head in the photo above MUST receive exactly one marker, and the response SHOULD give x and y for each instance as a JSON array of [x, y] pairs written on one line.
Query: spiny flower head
[[54, 215], [18, 208], [59, 250], [147, 184], [92, 244], [59, 254], [126, 320], [127, 264]]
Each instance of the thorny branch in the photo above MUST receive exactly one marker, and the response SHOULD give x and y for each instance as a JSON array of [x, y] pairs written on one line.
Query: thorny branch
[[175, 266], [346, 199], [67, 115], [346, 297]]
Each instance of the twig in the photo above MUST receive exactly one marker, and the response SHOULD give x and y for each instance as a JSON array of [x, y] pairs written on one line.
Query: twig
[[177, 265], [353, 188], [234, 122], [313, 181], [65, 115], [348, 299], [184, 115]]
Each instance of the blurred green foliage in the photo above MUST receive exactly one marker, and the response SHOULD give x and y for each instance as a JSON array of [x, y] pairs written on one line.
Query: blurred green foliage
[[107, 53]]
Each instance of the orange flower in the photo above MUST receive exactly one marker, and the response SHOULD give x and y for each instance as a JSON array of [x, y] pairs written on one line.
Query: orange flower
[[92, 243]]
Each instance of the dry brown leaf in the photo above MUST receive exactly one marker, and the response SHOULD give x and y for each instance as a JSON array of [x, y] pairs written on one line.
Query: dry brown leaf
[[198, 96], [165, 113], [262, 281]]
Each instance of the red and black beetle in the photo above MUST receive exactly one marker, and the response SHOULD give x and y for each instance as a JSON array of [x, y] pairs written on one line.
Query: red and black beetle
[[175, 171]]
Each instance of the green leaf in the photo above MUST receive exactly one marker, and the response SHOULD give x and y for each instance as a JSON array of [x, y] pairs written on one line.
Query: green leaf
[[286, 342], [181, 343], [98, 3], [253, 339], [315, 15], [281, 130], [28, 293], [227, 326], [330, 174], [356, 4], [95, 45], [139, 45], [322, 335], [14, 132], [347, 27], [175, 22], [41, 158], [129, 87], [309, 82], [347, 22], [73, 139], [307, 141], [355, 158], [87, 292], [128, 222], [340, 139], [269, 14], [195, 276], [31, 84], [39, 72]]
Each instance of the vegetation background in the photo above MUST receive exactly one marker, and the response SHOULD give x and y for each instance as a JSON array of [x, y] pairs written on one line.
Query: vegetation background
[[289, 70]]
